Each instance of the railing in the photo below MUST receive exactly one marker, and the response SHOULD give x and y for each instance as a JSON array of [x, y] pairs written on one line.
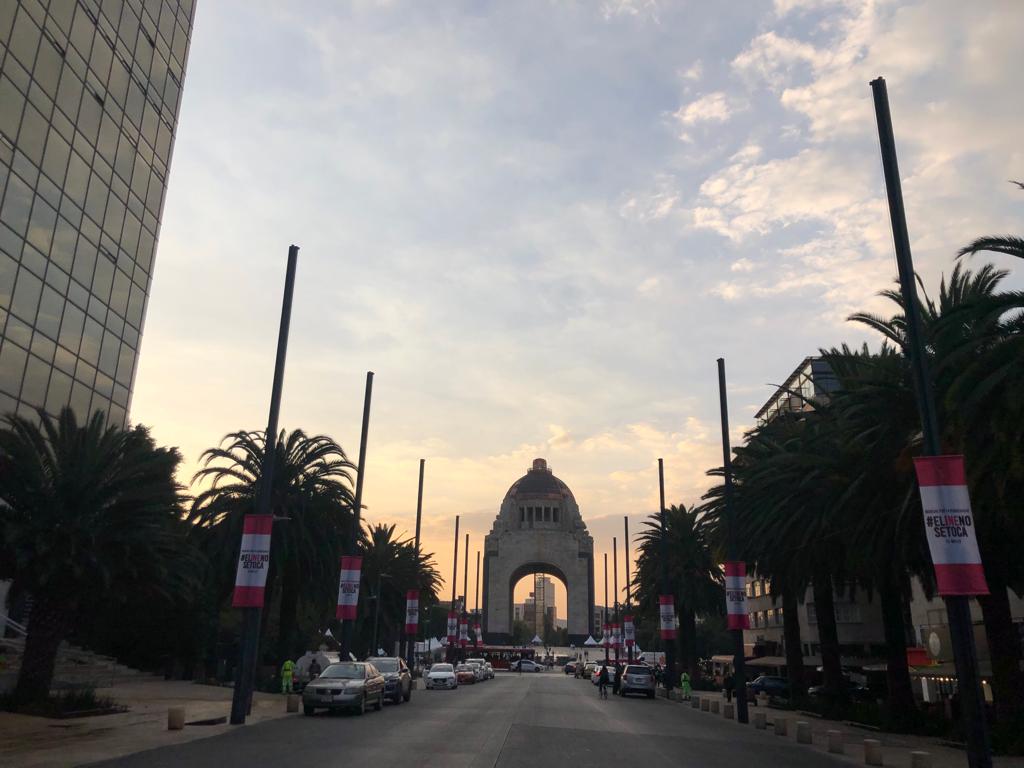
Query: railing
[[19, 629]]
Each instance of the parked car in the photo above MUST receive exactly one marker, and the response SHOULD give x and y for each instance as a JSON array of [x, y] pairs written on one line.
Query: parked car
[[637, 678], [397, 678], [855, 691], [488, 670], [570, 668], [772, 685], [526, 665], [478, 669], [595, 676], [345, 685], [465, 673], [588, 670], [441, 676]]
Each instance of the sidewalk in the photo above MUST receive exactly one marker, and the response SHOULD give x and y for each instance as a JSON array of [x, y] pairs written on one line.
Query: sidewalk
[[896, 747], [38, 742]]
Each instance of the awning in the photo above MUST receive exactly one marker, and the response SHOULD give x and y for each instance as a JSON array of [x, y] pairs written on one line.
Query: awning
[[590, 640]]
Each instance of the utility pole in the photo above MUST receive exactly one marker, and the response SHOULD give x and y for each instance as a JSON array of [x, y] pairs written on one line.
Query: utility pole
[[245, 676], [616, 627], [625, 560], [476, 604], [606, 629], [958, 609], [410, 650], [453, 617], [668, 636]]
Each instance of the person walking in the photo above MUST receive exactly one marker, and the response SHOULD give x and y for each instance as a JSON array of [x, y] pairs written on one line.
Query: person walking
[[287, 675], [602, 683], [684, 683], [730, 684], [617, 684], [314, 669]]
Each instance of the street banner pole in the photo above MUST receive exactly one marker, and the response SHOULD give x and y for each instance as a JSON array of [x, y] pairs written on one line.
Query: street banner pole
[[476, 604], [735, 571], [464, 626], [628, 630], [410, 650], [616, 640], [355, 560], [254, 578], [606, 626], [666, 601], [958, 609], [453, 617]]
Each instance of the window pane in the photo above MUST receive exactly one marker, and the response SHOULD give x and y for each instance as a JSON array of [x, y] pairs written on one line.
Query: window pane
[[37, 375], [26, 296], [14, 103], [55, 160], [40, 231], [50, 307], [48, 67], [8, 269], [59, 392], [17, 204], [71, 327], [25, 39], [92, 337], [33, 135], [108, 354], [12, 367]]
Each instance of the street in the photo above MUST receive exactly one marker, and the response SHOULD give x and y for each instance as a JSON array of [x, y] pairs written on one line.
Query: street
[[534, 720]]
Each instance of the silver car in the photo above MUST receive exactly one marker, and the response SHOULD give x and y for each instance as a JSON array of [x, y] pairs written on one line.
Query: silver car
[[345, 685], [637, 678]]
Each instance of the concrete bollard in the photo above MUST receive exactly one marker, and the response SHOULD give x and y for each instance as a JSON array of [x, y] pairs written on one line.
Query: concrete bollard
[[781, 726], [920, 760], [762, 699], [760, 721], [705, 704], [715, 706], [175, 718], [292, 705], [695, 702], [835, 742], [872, 752], [728, 711], [803, 732]]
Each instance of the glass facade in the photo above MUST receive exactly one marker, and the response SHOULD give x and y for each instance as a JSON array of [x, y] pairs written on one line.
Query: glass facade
[[89, 99]]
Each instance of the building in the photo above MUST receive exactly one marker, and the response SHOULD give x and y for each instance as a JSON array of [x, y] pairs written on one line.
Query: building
[[89, 98], [859, 620]]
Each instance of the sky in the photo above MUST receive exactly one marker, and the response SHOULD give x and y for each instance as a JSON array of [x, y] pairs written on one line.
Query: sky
[[539, 223]]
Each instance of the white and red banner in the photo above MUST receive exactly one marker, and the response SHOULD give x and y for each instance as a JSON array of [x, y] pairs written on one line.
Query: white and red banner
[[253, 562], [453, 627], [736, 595], [616, 636], [667, 613], [348, 586], [949, 525], [606, 632], [629, 631], [412, 612], [477, 633], [463, 633]]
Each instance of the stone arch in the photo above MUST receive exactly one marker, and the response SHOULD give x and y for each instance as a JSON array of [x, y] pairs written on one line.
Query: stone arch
[[538, 529]]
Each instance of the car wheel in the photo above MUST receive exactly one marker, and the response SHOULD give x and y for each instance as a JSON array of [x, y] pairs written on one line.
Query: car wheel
[[397, 698], [308, 710], [361, 709], [408, 693], [380, 702]]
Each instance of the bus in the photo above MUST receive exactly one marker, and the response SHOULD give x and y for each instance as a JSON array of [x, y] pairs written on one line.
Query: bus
[[501, 656]]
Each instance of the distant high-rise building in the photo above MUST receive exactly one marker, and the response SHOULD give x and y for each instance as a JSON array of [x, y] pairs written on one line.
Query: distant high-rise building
[[89, 100]]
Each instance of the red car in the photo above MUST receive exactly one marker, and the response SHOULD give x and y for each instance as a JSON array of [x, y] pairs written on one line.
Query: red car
[[465, 674]]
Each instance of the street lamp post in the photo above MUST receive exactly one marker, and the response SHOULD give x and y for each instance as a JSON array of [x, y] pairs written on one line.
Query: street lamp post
[[376, 612]]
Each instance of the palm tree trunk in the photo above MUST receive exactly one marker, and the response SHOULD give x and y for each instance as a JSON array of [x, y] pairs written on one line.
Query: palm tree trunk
[[1004, 648], [902, 706], [288, 611], [47, 625], [828, 638], [688, 643], [794, 648]]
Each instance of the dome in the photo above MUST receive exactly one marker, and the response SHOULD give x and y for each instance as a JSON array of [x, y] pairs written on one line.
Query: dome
[[539, 482]]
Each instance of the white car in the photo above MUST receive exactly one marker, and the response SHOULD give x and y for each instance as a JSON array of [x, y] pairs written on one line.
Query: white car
[[441, 676], [525, 665], [485, 666], [478, 669]]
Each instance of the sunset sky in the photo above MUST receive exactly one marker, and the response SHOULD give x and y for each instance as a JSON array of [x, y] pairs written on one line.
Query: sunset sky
[[540, 223]]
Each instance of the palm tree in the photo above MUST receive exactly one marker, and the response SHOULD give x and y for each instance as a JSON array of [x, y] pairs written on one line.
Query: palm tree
[[391, 566], [85, 510], [312, 505], [695, 576]]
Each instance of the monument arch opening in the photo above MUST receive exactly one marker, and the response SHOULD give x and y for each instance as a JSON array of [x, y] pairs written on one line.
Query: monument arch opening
[[538, 529]]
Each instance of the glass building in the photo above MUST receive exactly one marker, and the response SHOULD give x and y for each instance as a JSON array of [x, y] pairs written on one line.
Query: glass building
[[89, 99]]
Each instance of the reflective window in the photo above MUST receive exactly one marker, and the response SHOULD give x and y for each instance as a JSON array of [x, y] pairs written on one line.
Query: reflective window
[[26, 296], [12, 367]]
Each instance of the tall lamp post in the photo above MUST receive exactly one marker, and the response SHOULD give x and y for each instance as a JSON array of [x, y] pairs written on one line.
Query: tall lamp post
[[376, 611]]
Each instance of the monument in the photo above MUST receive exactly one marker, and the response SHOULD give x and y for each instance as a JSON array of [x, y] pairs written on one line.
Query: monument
[[538, 530]]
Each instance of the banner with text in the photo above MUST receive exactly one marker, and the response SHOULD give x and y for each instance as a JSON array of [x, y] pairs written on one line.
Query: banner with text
[[253, 562], [348, 587], [463, 633], [629, 631], [412, 612], [453, 627], [606, 632], [667, 613], [949, 525], [736, 595]]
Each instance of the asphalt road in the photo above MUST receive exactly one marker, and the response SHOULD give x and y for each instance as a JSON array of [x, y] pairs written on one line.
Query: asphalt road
[[544, 720]]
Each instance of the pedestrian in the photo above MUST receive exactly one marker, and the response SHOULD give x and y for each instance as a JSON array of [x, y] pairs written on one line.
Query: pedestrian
[[287, 673], [730, 683], [684, 683], [314, 669], [618, 679], [602, 682]]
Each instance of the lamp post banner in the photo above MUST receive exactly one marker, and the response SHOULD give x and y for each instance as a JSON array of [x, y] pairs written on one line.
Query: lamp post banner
[[477, 633], [606, 632], [629, 631], [453, 627], [736, 595], [463, 633], [949, 525], [667, 612], [616, 636], [348, 586], [253, 562], [412, 612]]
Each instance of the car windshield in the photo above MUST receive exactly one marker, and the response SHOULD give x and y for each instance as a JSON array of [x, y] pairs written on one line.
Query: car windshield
[[637, 670], [441, 668], [345, 671], [464, 668], [473, 664], [385, 665]]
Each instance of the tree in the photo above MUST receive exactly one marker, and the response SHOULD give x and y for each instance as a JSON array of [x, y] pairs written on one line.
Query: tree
[[312, 505], [694, 575], [85, 511]]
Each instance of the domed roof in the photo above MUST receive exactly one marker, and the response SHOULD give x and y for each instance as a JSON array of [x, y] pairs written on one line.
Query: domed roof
[[539, 482]]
